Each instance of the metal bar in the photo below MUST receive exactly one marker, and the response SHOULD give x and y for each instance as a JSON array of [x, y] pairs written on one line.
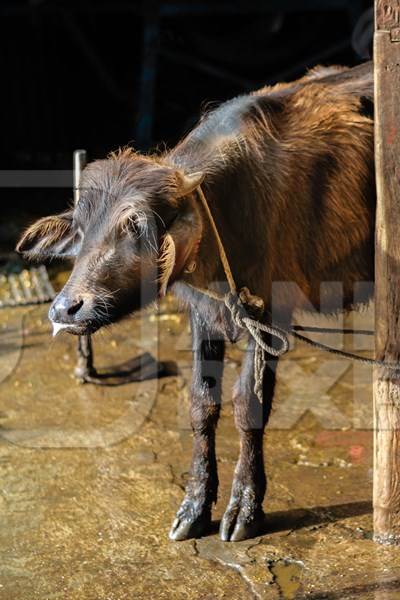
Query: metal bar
[[84, 368], [79, 160]]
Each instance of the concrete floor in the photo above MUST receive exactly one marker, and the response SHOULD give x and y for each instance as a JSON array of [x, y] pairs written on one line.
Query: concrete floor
[[92, 477]]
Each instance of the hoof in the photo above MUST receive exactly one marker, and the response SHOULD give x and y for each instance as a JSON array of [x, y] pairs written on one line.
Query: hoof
[[243, 519], [188, 524], [235, 530]]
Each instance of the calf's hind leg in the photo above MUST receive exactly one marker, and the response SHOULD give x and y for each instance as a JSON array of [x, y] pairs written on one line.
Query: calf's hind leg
[[193, 518], [244, 515]]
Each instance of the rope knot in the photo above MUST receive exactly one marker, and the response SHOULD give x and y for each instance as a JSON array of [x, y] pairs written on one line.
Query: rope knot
[[236, 309], [244, 305], [246, 311], [241, 306]]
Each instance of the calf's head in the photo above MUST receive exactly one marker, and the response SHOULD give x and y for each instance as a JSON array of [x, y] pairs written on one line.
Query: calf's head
[[135, 227]]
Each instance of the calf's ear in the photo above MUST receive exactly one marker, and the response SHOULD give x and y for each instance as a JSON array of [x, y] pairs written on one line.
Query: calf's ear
[[178, 251], [189, 182], [50, 237], [180, 243]]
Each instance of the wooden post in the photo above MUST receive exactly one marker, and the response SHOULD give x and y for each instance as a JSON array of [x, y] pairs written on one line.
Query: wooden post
[[387, 272]]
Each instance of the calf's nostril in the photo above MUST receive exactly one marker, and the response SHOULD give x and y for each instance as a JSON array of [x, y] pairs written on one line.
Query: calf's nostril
[[73, 309]]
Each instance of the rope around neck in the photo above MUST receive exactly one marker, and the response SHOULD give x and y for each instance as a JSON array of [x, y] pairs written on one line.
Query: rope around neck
[[241, 304]]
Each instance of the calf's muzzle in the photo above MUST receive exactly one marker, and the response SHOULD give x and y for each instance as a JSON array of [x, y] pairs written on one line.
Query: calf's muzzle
[[69, 311]]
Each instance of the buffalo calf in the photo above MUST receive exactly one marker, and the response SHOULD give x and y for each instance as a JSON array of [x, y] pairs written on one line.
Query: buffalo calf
[[288, 172]]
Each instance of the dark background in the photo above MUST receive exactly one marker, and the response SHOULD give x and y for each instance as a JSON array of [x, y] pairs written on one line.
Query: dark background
[[98, 74]]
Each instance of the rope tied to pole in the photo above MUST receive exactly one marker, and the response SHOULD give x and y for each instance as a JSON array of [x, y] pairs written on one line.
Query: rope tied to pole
[[247, 309]]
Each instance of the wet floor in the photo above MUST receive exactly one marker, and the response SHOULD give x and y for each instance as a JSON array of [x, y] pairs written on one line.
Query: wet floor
[[92, 477]]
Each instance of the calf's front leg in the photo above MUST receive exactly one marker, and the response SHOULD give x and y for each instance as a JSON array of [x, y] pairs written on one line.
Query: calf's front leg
[[244, 516], [193, 518]]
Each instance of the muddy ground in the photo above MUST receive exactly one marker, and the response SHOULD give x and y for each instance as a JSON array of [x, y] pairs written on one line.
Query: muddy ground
[[91, 477]]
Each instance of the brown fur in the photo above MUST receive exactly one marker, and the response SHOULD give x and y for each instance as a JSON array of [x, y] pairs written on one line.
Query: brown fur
[[306, 193], [289, 177]]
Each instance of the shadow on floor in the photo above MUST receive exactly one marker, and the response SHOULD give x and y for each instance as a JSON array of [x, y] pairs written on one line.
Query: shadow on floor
[[139, 368], [380, 587], [306, 517], [317, 515]]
